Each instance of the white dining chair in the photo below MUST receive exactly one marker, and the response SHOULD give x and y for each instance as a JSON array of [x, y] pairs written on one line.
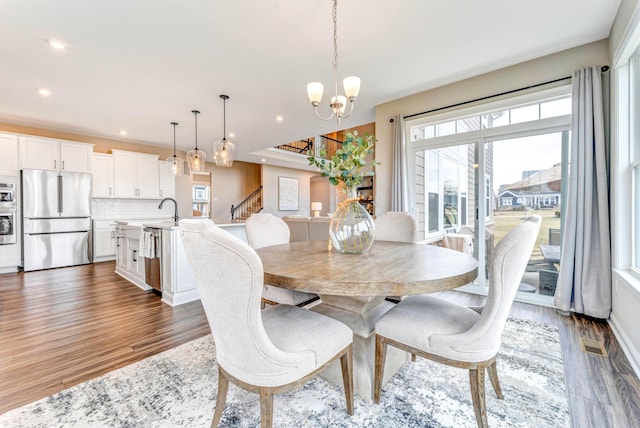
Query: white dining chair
[[396, 226], [456, 335], [264, 351], [263, 230]]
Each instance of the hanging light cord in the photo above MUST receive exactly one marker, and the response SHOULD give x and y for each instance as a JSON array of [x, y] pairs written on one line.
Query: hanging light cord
[[196, 114], [224, 119], [335, 47], [174, 138]]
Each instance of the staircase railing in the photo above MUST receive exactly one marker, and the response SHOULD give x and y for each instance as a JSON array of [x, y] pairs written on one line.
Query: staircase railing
[[330, 145], [313, 145], [251, 204], [300, 146]]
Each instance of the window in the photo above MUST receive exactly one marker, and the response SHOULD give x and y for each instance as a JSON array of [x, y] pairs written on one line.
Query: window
[[554, 107], [634, 63], [482, 172], [445, 180]]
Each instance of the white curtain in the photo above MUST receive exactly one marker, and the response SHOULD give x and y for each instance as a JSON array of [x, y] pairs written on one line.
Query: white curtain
[[401, 197], [584, 283]]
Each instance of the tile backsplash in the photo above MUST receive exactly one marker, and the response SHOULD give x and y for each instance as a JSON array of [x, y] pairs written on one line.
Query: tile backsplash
[[114, 209]]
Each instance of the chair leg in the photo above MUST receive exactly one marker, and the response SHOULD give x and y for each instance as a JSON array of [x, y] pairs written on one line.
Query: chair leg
[[346, 361], [476, 378], [413, 358], [493, 376], [223, 387], [381, 354], [266, 407]]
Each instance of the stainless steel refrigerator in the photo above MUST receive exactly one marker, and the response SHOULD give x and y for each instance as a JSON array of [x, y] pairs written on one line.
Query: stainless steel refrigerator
[[56, 219]]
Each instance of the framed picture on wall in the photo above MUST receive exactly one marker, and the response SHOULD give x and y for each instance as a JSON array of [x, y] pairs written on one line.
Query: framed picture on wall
[[287, 194]]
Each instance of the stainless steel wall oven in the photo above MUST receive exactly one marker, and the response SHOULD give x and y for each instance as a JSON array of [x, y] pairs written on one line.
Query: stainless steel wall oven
[[7, 214]]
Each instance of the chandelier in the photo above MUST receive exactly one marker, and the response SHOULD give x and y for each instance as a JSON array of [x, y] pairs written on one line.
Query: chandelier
[[175, 164], [197, 159], [223, 149], [351, 84]]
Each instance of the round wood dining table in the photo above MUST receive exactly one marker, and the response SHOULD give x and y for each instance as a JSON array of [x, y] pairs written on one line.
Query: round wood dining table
[[353, 287], [388, 268]]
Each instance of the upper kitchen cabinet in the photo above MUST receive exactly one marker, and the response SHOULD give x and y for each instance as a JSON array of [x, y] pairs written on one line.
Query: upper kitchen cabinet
[[136, 175], [9, 158], [167, 180], [103, 185], [54, 155]]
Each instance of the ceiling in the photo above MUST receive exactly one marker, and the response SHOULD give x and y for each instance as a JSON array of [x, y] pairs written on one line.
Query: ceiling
[[139, 65]]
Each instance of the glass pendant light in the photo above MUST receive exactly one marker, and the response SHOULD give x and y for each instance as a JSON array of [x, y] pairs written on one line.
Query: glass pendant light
[[223, 149], [174, 163], [197, 159]]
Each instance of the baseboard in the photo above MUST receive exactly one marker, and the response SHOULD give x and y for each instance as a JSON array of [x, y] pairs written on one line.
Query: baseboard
[[180, 298], [11, 269], [625, 343]]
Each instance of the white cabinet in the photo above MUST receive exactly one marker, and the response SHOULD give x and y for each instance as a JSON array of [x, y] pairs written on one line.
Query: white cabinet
[[122, 250], [129, 264], [104, 240], [54, 155], [136, 175], [167, 181], [178, 282], [102, 175], [135, 263], [9, 155]]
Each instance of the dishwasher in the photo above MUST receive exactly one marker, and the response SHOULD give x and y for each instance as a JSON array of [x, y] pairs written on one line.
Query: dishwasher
[[153, 265]]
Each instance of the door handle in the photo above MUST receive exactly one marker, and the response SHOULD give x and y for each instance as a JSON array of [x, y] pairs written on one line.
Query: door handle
[[60, 195], [62, 164], [135, 253], [55, 165]]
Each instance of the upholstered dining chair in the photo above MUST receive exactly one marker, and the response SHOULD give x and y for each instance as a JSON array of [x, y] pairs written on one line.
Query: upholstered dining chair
[[263, 230], [455, 335], [396, 226], [265, 351]]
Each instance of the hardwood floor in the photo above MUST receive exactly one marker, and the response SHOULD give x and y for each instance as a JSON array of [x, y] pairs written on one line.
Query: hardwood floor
[[61, 327]]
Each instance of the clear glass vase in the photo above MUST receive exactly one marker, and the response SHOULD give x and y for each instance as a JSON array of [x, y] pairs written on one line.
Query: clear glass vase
[[352, 228]]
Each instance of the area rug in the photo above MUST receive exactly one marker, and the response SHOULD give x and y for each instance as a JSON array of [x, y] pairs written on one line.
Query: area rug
[[177, 388]]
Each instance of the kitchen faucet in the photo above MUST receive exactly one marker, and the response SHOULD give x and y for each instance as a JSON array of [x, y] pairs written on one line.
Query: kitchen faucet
[[175, 214]]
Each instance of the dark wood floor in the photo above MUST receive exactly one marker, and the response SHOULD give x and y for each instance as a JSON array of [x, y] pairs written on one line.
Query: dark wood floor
[[61, 327]]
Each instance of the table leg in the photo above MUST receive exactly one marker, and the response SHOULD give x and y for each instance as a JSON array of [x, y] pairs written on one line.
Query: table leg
[[361, 315]]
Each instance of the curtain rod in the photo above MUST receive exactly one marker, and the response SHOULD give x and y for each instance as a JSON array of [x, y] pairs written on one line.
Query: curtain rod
[[604, 68]]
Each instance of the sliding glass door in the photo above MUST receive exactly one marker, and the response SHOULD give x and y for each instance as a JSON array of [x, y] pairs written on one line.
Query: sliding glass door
[[478, 177]]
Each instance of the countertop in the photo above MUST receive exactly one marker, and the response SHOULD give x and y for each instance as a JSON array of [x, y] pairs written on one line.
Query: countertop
[[169, 224]]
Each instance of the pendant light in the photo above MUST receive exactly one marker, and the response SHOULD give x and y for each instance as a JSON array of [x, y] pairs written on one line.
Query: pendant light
[[223, 149], [197, 159], [351, 84], [174, 163]]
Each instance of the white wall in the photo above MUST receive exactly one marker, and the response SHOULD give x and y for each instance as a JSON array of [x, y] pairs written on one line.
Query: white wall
[[270, 176], [321, 191]]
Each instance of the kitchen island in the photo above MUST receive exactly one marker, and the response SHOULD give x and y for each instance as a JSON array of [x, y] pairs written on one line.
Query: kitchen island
[[177, 283]]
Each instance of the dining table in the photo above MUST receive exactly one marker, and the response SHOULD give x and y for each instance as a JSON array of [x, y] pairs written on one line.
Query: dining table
[[353, 287], [551, 254]]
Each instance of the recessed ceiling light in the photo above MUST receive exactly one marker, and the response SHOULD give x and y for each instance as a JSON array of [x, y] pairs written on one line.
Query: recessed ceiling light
[[44, 92], [123, 132], [263, 160], [231, 135], [56, 44], [279, 118]]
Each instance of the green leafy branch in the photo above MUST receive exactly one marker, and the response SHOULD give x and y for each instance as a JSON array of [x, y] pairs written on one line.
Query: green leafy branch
[[349, 163]]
